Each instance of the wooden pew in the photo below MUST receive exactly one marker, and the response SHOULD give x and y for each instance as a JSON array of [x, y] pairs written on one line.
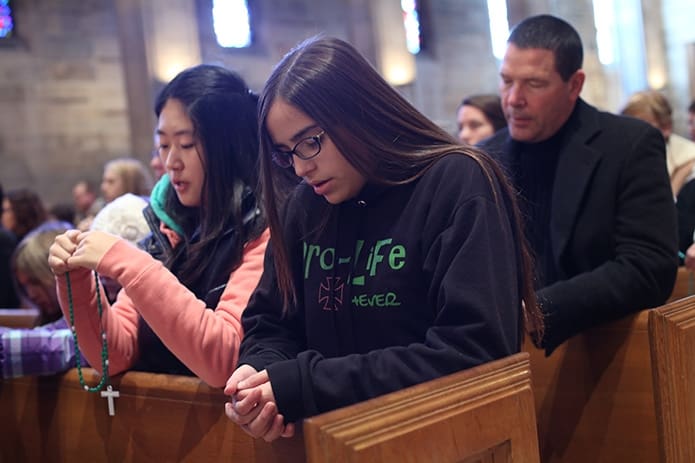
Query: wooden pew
[[18, 318], [594, 396], [158, 417], [685, 285], [485, 412], [480, 415], [672, 337]]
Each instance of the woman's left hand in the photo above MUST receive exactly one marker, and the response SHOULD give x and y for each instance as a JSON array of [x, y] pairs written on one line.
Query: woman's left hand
[[91, 247]]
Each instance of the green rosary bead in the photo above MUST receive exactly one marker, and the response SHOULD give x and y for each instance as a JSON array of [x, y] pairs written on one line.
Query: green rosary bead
[[104, 345]]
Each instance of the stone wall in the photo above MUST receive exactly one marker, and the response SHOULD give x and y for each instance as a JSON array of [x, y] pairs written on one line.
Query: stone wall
[[62, 100]]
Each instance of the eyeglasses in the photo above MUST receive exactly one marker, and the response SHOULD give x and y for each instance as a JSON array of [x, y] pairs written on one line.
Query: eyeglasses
[[307, 148]]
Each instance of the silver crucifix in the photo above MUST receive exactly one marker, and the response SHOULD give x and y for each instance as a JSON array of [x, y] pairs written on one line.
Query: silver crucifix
[[110, 394]]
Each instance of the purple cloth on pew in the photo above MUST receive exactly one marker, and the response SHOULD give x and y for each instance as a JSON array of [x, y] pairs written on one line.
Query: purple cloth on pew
[[44, 350]]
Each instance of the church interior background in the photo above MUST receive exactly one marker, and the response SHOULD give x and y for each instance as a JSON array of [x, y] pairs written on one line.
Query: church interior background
[[78, 77]]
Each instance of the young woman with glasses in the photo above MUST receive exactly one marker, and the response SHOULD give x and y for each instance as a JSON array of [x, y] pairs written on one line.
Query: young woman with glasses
[[399, 258], [183, 294]]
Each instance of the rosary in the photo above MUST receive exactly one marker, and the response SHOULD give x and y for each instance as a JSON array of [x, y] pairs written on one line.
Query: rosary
[[109, 393]]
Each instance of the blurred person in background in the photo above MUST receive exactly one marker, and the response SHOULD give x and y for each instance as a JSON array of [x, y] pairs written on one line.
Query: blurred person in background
[[86, 200], [478, 117], [156, 165], [49, 348], [125, 175], [652, 107], [35, 280], [121, 176], [22, 211]]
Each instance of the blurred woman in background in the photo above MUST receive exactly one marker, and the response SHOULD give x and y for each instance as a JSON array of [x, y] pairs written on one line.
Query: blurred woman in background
[[22, 211], [478, 117], [125, 175]]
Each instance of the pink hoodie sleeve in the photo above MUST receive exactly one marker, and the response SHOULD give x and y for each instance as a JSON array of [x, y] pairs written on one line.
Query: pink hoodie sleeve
[[206, 341], [87, 322]]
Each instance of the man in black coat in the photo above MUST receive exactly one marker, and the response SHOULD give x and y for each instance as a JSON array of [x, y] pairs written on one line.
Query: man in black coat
[[595, 193]]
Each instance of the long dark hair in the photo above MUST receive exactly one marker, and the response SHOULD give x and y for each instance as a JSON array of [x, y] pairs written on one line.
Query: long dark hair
[[225, 123], [378, 132]]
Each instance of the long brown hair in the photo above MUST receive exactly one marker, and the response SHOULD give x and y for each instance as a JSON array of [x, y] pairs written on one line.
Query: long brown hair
[[378, 132]]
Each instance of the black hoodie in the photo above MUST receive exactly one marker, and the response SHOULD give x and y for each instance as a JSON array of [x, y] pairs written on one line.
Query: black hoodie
[[402, 285]]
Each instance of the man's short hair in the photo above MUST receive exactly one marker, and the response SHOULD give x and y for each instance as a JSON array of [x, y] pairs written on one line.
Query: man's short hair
[[691, 108], [551, 33]]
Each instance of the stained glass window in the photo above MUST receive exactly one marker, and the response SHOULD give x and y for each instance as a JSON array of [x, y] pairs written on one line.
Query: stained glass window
[[411, 20], [232, 23], [499, 26], [6, 23]]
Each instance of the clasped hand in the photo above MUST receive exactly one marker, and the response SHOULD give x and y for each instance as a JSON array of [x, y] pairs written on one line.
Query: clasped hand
[[253, 405], [74, 249]]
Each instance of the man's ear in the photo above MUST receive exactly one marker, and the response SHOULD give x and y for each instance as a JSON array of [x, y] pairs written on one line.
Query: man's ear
[[576, 82]]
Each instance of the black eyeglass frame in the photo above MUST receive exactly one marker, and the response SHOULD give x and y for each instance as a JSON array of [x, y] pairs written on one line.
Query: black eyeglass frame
[[285, 159]]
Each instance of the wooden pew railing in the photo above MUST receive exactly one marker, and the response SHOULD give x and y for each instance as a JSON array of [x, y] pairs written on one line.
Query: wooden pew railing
[[594, 396], [18, 318], [672, 337], [480, 415], [158, 418], [685, 285], [483, 414]]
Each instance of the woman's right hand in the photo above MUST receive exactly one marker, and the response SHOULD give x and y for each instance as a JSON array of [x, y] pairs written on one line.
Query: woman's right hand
[[62, 248], [253, 405]]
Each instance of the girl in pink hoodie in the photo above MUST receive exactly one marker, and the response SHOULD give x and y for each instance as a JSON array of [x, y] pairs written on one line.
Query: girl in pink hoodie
[[185, 287]]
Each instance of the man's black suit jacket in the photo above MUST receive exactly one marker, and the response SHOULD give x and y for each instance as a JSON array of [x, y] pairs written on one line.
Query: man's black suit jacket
[[612, 226]]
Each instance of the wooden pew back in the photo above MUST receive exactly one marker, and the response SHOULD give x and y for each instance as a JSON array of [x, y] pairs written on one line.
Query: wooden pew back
[[484, 414], [684, 286], [476, 415], [672, 337], [18, 318], [160, 418], [594, 396]]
